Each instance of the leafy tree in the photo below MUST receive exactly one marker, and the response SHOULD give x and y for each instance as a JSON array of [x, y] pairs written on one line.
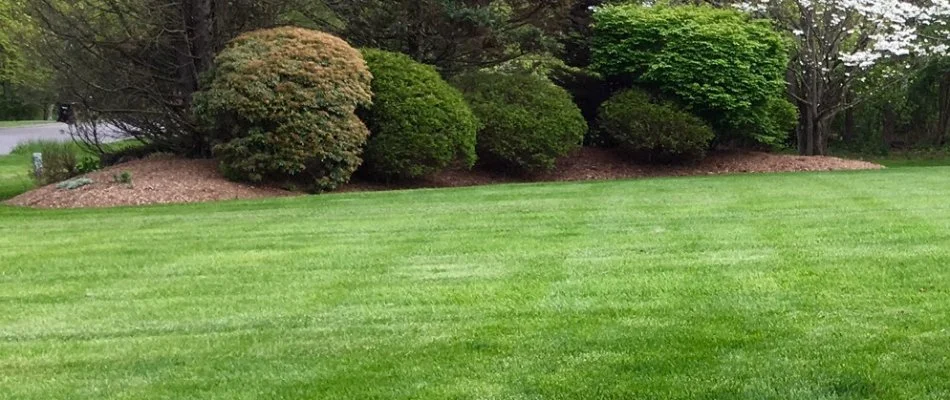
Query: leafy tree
[[452, 35], [721, 64], [24, 89], [136, 63], [837, 42]]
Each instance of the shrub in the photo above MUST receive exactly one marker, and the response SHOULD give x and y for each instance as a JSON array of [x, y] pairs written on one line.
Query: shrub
[[279, 104], [60, 160], [419, 123], [719, 63], [526, 122], [656, 132], [123, 178], [88, 164]]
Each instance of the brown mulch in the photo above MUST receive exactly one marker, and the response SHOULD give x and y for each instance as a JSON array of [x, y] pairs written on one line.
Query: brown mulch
[[605, 164], [161, 180], [157, 180]]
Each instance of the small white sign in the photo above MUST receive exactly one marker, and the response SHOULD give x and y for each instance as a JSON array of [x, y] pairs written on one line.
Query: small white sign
[[38, 164]]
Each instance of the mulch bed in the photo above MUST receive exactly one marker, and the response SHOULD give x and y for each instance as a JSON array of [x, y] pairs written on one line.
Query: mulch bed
[[605, 164], [157, 180], [163, 180]]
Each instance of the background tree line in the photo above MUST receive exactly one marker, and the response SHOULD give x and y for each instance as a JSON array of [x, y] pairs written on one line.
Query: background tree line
[[137, 63]]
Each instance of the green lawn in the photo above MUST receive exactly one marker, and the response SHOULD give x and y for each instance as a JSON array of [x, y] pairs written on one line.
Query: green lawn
[[14, 124], [786, 286], [14, 175]]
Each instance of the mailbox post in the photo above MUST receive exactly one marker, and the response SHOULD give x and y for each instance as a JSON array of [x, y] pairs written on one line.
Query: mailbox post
[[38, 165]]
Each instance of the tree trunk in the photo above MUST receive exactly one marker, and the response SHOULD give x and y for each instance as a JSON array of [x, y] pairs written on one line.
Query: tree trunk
[[849, 134], [204, 35], [810, 118], [943, 125], [801, 132], [889, 131], [821, 138]]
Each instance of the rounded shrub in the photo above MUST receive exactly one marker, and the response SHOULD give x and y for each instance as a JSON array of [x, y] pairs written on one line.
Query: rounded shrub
[[655, 132], [419, 123], [720, 64], [280, 104], [526, 121]]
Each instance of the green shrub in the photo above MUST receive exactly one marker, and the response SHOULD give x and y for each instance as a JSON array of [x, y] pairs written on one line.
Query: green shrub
[[88, 164], [778, 119], [655, 132], [122, 178], [280, 105], [719, 63], [419, 124], [60, 159], [526, 122]]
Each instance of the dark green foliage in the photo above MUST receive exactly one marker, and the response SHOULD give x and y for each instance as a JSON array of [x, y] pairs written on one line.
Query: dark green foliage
[[779, 118], [88, 164], [719, 63], [453, 35], [419, 123], [125, 178], [527, 122], [653, 132], [589, 91], [280, 106]]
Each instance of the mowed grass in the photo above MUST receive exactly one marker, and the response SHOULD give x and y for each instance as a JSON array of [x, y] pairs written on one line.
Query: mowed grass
[[15, 175], [784, 286], [16, 168]]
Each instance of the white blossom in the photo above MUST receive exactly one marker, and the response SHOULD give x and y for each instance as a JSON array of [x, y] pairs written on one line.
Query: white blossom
[[892, 27]]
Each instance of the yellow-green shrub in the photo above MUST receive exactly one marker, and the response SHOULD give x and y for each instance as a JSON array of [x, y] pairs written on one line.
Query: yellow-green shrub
[[280, 104]]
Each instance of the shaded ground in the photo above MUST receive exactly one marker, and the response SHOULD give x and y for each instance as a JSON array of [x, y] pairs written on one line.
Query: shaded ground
[[601, 164], [154, 181]]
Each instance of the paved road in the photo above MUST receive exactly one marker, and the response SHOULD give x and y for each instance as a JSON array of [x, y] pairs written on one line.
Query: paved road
[[9, 137]]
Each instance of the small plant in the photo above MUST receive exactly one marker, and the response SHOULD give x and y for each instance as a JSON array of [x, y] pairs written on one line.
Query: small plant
[[88, 164], [124, 178], [73, 184], [59, 160]]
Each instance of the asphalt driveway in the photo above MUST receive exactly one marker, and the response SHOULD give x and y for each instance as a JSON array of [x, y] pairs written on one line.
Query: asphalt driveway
[[9, 137]]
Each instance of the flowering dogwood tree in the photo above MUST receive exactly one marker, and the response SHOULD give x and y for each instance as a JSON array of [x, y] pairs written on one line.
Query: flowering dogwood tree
[[838, 41]]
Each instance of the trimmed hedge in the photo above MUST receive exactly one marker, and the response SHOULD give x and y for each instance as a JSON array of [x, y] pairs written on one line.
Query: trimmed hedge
[[654, 132], [419, 123], [527, 122], [721, 64], [280, 105]]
